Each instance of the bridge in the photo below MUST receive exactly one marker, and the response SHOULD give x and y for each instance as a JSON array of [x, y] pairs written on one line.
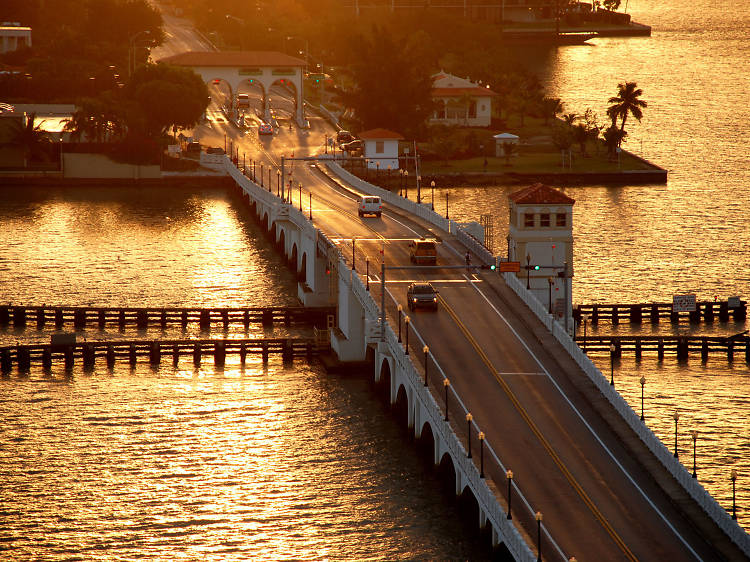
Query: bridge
[[557, 463]]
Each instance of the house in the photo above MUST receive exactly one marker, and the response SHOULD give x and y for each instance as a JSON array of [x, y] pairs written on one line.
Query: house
[[380, 148], [13, 37], [459, 101]]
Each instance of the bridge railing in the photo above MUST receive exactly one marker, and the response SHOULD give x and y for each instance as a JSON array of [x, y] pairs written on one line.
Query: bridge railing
[[696, 490]]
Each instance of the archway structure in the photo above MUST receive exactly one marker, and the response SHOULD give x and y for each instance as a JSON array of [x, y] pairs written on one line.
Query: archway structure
[[262, 68]]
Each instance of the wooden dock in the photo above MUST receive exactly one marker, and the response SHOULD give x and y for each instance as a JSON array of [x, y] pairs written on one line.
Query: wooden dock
[[706, 311], [679, 346], [24, 356], [80, 317]]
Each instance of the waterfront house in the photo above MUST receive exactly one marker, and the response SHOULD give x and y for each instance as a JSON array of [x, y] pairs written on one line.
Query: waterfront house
[[459, 101]]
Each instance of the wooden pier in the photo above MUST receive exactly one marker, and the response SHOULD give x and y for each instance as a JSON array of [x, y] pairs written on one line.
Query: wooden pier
[[80, 317], [24, 356], [706, 311], [679, 346]]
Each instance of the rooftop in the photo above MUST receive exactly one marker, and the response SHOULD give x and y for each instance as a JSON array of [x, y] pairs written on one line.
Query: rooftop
[[539, 193]]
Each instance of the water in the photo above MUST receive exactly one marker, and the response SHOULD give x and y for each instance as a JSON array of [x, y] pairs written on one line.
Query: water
[[191, 463], [647, 243], [294, 463]]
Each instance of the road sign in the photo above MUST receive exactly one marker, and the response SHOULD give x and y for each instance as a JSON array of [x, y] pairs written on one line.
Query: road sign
[[683, 303], [734, 302], [559, 308], [510, 266]]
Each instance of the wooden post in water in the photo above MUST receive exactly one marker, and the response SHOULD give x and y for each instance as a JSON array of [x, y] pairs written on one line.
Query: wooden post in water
[[163, 319], [154, 353], [225, 318], [661, 349], [636, 314], [220, 354], [58, 318], [121, 318], [40, 318], [704, 351], [730, 350], [69, 358], [264, 352], [132, 355], [102, 316], [6, 363], [4, 315], [183, 318], [654, 313], [47, 359], [110, 356], [682, 348], [708, 311], [205, 321], [23, 357], [19, 316], [287, 355], [243, 351], [724, 312], [615, 316], [175, 354], [246, 319], [638, 350], [141, 319], [267, 317], [595, 315], [79, 318], [196, 354], [88, 357]]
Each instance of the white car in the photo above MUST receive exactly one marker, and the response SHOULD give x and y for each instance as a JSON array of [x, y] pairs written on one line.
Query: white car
[[369, 205]]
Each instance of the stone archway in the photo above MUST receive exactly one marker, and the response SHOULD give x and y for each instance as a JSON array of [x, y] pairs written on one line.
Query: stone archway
[[302, 271]]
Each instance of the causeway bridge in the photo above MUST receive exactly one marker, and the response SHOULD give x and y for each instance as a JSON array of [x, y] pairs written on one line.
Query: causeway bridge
[[556, 464]]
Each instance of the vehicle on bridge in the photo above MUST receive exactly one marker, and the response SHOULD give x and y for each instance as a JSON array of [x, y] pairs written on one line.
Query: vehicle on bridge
[[369, 205], [421, 295], [352, 147], [243, 101], [265, 129], [344, 137], [423, 252]]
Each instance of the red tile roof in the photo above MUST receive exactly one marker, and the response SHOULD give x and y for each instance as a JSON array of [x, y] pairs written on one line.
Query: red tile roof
[[454, 92], [380, 134], [233, 59], [539, 194]]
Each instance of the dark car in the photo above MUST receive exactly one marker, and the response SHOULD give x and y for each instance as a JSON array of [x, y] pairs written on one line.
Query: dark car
[[422, 295], [344, 136]]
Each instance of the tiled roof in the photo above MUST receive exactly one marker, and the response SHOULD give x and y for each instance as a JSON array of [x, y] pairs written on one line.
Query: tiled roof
[[474, 91], [233, 59], [539, 194], [380, 134]]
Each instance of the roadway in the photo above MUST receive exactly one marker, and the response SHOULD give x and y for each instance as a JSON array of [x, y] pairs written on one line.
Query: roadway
[[598, 501]]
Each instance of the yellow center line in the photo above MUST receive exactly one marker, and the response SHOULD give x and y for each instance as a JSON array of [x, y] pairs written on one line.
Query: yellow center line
[[555, 457]]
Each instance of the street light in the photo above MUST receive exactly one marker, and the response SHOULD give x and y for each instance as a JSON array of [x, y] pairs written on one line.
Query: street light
[[446, 384], [469, 417], [426, 350], [432, 195], [694, 435], [509, 476], [676, 417], [643, 384], [446, 205], [538, 518], [733, 476], [419, 189], [550, 280], [406, 343], [528, 271], [400, 181], [400, 311], [612, 364], [278, 183], [480, 436], [406, 184], [354, 240]]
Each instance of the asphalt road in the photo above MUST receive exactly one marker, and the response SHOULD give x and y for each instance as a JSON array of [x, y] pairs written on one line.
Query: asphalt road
[[597, 501]]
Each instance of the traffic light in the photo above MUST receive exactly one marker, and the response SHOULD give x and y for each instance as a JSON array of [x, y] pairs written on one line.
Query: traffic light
[[490, 267], [533, 267]]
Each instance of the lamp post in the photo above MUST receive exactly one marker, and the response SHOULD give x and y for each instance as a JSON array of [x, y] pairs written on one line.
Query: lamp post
[[676, 417], [388, 178], [538, 518], [299, 190], [612, 364], [310, 205], [469, 417], [528, 270], [426, 351], [446, 205], [354, 240], [733, 476], [509, 476], [400, 312], [694, 435], [550, 280], [419, 189], [643, 384], [446, 384], [406, 184], [432, 195], [326, 141], [406, 342], [261, 177], [278, 183], [367, 274], [480, 436], [400, 181], [377, 171], [253, 169]]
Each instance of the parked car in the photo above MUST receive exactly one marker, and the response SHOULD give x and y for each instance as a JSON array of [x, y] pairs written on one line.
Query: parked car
[[193, 149], [423, 252], [214, 150], [421, 295], [352, 146], [265, 129], [369, 205], [243, 101], [344, 136]]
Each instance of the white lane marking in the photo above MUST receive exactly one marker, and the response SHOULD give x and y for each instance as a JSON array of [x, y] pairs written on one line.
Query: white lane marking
[[490, 450], [591, 429]]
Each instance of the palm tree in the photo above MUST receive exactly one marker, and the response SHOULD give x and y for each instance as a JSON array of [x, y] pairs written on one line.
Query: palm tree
[[626, 102], [34, 141], [613, 138], [509, 149], [570, 118], [550, 108]]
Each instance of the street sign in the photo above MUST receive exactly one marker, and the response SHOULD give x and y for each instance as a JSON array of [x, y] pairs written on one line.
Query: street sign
[[734, 302], [559, 308], [510, 266], [683, 303]]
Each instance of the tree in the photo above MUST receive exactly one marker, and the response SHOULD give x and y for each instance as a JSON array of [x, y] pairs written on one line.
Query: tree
[[98, 119], [562, 138], [509, 149], [392, 84], [34, 141], [581, 136], [611, 5], [613, 138], [570, 119], [166, 96], [626, 102], [550, 108]]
